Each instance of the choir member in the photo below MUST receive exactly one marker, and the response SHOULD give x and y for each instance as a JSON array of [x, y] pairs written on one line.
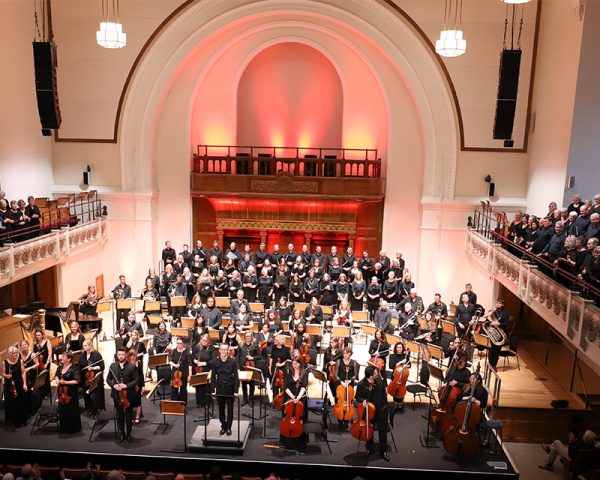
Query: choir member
[[358, 289]]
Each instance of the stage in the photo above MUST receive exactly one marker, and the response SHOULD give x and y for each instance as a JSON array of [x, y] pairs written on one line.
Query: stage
[[145, 452]]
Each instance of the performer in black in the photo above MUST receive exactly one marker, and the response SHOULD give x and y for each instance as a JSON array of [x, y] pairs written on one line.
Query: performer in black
[[74, 339], [122, 379], [129, 326], [91, 364], [67, 382], [33, 212], [120, 292], [347, 371], [500, 321], [42, 349], [371, 389], [225, 383], [383, 318], [248, 355], [203, 354], [15, 386], [464, 313], [180, 361], [438, 308], [168, 254], [459, 376]]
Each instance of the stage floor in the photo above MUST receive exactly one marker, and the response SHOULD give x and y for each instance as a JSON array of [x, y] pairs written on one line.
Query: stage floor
[[149, 440]]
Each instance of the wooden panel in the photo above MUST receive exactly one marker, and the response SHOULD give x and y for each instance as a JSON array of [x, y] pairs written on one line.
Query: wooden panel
[[204, 222], [100, 285], [10, 330]]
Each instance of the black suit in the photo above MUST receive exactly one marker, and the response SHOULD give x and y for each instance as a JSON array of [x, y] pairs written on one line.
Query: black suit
[[128, 374], [464, 314], [377, 395], [502, 317], [225, 381]]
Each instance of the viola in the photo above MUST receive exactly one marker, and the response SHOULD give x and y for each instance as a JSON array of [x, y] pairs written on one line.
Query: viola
[[344, 409], [13, 389], [199, 368], [63, 395], [177, 381], [262, 345], [397, 387], [292, 424], [250, 363], [89, 376], [41, 364], [304, 352], [278, 401], [362, 428]]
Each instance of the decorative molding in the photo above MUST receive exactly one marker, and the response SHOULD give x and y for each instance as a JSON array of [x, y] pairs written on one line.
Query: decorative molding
[[285, 226], [283, 184]]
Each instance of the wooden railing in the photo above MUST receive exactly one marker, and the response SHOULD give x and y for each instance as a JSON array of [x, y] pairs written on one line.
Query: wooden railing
[[297, 161]]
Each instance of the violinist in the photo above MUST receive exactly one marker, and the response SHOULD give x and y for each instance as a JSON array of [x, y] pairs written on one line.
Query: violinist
[[200, 329], [122, 379], [133, 357], [162, 338], [89, 302], [224, 384], [212, 314], [42, 349], [248, 356], [295, 391], [181, 371], [284, 309], [30, 364], [331, 355], [408, 322], [230, 337], [397, 360], [15, 386], [277, 359], [371, 389], [90, 364], [129, 327], [67, 380], [379, 349], [343, 315], [302, 342], [74, 339], [346, 373], [203, 353]]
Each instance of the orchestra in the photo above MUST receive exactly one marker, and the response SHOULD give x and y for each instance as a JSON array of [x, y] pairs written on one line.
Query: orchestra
[[225, 339]]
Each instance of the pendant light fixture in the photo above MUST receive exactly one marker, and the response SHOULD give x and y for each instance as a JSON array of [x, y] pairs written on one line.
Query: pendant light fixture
[[111, 33], [451, 42]]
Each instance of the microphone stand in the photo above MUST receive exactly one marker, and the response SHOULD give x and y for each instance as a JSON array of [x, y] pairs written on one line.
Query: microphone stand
[[425, 442]]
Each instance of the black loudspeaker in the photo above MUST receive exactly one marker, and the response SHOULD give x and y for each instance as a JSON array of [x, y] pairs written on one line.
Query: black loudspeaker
[[44, 60], [559, 403], [508, 85], [86, 178], [492, 189]]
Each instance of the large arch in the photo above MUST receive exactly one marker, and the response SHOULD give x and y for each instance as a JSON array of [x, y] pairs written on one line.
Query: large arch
[[398, 57]]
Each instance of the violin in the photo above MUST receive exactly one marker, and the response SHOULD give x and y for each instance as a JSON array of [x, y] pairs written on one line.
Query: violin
[[362, 428], [262, 345], [250, 363], [177, 381], [199, 368], [89, 376], [63, 395], [331, 368], [344, 409], [292, 424], [397, 387], [123, 400], [278, 401], [278, 380], [41, 364], [13, 389]]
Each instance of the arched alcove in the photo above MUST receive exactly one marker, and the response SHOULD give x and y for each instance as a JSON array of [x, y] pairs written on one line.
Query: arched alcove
[[290, 95]]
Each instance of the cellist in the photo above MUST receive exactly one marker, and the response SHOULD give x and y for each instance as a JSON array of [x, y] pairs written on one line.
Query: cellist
[[379, 349], [397, 360], [346, 372], [296, 388], [371, 389]]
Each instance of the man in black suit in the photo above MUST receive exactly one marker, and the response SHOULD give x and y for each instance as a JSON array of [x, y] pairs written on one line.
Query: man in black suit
[[224, 384], [501, 321], [464, 313], [123, 377]]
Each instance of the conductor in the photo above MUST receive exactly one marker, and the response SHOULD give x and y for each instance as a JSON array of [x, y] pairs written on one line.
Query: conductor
[[224, 385]]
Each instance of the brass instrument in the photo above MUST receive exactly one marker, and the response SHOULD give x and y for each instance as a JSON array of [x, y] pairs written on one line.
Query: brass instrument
[[119, 294], [149, 296], [92, 300], [495, 334], [171, 291], [420, 307]]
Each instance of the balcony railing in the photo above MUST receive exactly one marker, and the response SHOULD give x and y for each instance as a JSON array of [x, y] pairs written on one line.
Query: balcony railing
[[297, 161]]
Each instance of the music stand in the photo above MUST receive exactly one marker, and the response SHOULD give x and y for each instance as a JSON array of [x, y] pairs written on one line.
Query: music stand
[[341, 332], [155, 361], [225, 321], [252, 374], [180, 332], [178, 301], [437, 353], [393, 339], [368, 329], [176, 409], [151, 306], [213, 334], [257, 307], [314, 329], [436, 372], [40, 381], [104, 306], [427, 441], [187, 322], [321, 376], [196, 380], [285, 326], [288, 342], [76, 356]]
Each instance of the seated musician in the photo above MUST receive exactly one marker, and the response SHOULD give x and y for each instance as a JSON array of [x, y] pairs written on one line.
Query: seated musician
[[89, 302], [343, 315], [230, 337], [371, 389], [278, 359], [248, 356], [195, 308], [398, 359], [162, 338], [438, 308], [346, 373], [243, 320], [480, 396], [302, 340], [379, 349], [129, 326], [203, 353], [409, 324], [150, 293], [274, 322], [212, 314], [383, 318], [284, 309], [313, 313], [121, 291], [464, 314], [177, 289], [237, 301], [460, 376]]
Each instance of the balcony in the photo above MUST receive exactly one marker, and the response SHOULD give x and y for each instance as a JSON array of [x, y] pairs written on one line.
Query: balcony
[[287, 171]]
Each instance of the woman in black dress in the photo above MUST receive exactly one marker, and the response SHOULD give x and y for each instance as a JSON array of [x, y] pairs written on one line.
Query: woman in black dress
[[220, 285], [342, 289], [42, 348], [284, 309], [67, 381], [281, 283], [15, 386], [326, 288], [311, 286], [265, 288], [346, 373], [133, 357], [200, 329], [89, 302], [373, 296], [230, 337], [399, 357], [90, 365], [30, 363], [154, 278], [359, 290], [203, 354], [162, 338], [296, 389], [181, 369], [379, 349], [74, 339], [277, 360], [296, 289]]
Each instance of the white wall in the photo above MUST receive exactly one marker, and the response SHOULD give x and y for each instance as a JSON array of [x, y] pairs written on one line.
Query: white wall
[[25, 155]]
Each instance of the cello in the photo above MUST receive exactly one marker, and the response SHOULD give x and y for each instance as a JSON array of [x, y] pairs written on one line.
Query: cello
[[344, 409], [292, 425], [397, 387], [461, 439], [362, 428]]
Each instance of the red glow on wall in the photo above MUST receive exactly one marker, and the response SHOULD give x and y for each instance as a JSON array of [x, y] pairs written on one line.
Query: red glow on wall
[[290, 94]]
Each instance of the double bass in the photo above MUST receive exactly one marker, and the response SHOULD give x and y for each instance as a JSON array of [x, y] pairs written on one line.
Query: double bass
[[461, 439]]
